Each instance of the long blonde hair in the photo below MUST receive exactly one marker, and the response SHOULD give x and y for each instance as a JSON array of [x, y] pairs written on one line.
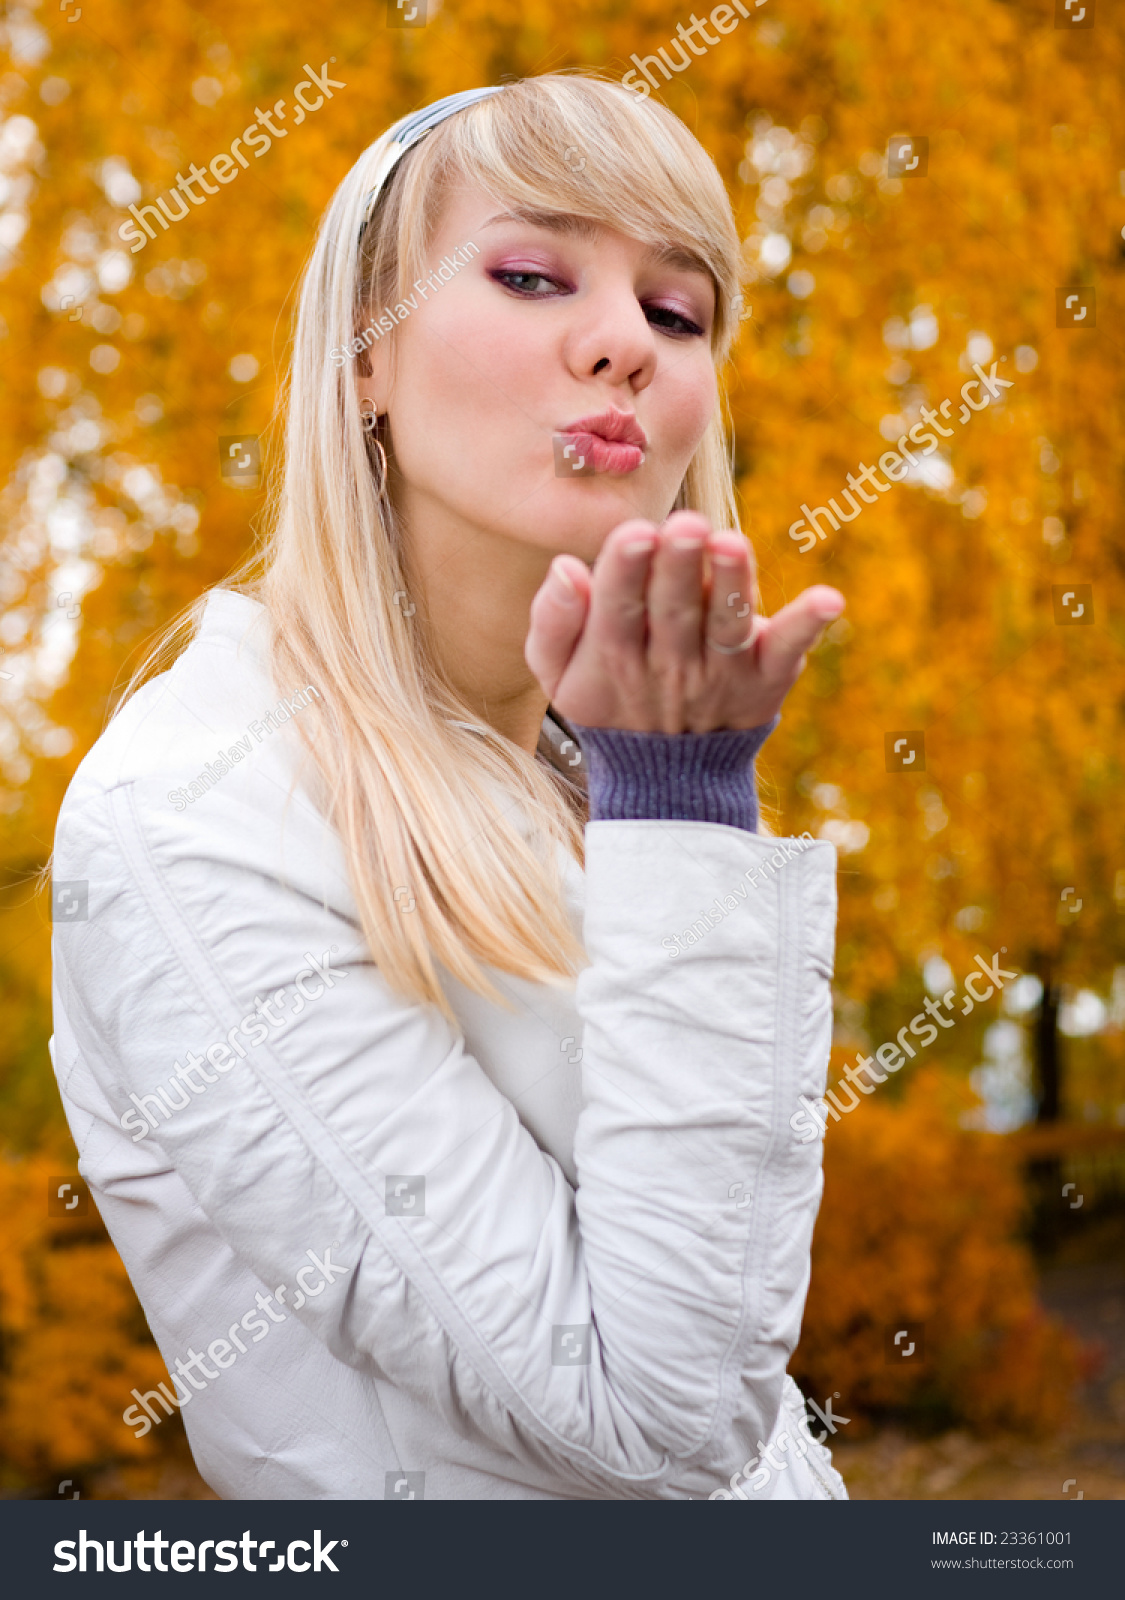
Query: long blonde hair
[[451, 832]]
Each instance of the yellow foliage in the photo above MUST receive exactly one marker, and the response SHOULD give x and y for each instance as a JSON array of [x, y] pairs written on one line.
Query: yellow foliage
[[72, 1337], [918, 1226]]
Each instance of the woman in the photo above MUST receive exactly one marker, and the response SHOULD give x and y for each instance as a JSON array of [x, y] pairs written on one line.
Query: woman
[[441, 1166]]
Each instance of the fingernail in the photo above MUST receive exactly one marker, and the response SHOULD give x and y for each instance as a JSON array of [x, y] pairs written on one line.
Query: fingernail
[[564, 583], [688, 541], [637, 547], [725, 553]]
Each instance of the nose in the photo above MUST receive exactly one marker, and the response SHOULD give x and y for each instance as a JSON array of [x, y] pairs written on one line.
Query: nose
[[612, 339]]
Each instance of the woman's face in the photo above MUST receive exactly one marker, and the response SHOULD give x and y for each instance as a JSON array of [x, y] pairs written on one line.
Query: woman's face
[[503, 378]]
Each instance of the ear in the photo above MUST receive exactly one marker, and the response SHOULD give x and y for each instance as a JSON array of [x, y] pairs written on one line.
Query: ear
[[372, 368]]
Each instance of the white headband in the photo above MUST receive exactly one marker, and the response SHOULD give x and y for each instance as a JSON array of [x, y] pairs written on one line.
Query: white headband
[[407, 132]]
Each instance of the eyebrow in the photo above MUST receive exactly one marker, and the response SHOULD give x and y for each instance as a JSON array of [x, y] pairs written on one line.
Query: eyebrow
[[665, 254]]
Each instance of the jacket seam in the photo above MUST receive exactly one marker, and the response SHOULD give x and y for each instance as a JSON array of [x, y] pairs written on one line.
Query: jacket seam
[[784, 1018], [786, 1038]]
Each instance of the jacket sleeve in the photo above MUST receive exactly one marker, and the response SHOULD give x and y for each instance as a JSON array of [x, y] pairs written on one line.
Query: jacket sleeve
[[631, 1334]]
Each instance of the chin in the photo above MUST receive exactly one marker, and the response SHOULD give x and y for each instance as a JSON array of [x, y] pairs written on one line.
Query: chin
[[579, 523]]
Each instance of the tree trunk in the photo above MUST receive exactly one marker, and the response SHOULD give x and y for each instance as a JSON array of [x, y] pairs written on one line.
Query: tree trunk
[[1045, 1174], [1048, 1065]]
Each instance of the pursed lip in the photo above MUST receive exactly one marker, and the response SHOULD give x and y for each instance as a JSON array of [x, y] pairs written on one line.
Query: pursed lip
[[615, 427]]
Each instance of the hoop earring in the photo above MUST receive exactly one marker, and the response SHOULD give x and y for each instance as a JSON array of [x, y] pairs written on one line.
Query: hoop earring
[[369, 419]]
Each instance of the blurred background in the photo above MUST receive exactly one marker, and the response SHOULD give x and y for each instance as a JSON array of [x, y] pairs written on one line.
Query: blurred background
[[926, 200]]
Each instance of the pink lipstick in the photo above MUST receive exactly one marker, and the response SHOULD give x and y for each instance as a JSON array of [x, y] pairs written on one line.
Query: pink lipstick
[[612, 442]]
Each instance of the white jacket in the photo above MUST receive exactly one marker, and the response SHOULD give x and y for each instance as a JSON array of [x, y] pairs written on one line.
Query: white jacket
[[557, 1253]]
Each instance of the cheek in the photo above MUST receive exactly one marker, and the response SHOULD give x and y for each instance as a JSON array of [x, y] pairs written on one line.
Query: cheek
[[463, 371], [682, 412], [689, 404], [463, 405]]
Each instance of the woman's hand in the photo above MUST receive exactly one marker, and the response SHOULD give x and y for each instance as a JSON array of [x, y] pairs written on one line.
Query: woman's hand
[[625, 645]]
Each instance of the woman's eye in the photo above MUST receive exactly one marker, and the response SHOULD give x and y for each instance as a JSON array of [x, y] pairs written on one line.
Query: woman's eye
[[672, 321], [530, 283], [538, 286]]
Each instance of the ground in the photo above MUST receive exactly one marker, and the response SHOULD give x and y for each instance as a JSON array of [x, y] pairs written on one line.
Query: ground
[[1085, 1461]]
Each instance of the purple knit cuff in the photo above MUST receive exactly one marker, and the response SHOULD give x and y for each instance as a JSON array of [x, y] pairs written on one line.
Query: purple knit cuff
[[678, 777]]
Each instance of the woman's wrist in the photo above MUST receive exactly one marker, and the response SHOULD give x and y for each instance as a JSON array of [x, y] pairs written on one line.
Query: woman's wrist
[[693, 777]]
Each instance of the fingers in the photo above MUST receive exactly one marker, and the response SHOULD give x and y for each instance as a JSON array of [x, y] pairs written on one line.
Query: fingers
[[675, 592], [733, 600], [645, 611], [558, 615], [790, 632], [617, 600]]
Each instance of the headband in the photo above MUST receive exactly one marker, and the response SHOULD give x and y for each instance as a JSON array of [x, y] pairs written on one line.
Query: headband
[[407, 132]]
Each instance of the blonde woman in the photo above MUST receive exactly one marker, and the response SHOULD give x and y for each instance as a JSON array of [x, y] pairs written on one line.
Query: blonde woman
[[433, 1035]]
